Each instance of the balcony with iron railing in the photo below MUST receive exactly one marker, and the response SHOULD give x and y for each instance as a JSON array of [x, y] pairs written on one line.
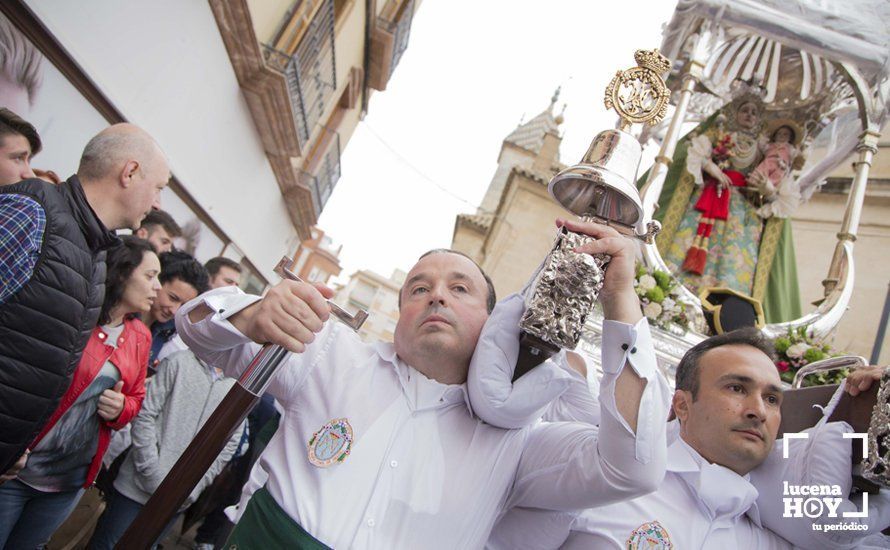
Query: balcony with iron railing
[[401, 30], [323, 174], [389, 40], [305, 56]]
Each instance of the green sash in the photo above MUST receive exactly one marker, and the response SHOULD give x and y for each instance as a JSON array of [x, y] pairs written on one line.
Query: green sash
[[266, 526]]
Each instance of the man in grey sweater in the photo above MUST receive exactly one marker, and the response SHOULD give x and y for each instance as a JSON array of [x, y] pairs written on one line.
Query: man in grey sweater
[[180, 398]]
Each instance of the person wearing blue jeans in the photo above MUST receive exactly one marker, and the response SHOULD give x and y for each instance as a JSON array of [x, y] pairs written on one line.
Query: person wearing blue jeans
[[35, 508], [180, 399], [120, 512]]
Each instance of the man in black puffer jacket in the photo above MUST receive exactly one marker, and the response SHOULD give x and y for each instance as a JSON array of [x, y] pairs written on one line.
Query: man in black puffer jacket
[[53, 240]]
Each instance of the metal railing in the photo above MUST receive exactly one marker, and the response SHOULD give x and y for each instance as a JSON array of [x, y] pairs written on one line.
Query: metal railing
[[321, 184], [400, 30], [311, 72], [328, 172]]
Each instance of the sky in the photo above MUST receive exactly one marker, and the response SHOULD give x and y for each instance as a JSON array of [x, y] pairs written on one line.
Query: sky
[[428, 147]]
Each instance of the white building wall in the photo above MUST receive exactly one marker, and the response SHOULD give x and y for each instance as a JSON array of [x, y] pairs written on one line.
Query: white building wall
[[164, 66]]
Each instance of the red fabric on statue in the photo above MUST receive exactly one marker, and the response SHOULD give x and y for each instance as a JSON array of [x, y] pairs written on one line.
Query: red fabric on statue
[[713, 206], [695, 261]]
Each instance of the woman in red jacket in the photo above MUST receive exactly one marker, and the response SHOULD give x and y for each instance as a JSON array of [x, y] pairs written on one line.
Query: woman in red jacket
[[105, 394]]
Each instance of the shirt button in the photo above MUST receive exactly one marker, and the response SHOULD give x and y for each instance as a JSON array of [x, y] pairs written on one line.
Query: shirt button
[[371, 522], [633, 349], [394, 464], [624, 347], [221, 311], [101, 336]]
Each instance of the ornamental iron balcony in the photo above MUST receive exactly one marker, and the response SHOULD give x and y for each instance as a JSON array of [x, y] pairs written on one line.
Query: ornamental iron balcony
[[310, 72], [322, 180], [389, 40], [401, 30]]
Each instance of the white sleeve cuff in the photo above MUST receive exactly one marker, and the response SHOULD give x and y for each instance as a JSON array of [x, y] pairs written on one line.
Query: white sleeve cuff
[[631, 344], [215, 331], [226, 304]]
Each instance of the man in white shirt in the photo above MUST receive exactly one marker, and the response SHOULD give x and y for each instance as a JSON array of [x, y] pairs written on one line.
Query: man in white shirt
[[721, 450], [728, 405], [378, 446]]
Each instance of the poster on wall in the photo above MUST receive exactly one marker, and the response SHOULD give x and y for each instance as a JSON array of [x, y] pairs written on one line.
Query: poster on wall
[[33, 88]]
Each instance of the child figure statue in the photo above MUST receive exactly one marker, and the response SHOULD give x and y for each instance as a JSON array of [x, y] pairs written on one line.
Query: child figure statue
[[772, 177]]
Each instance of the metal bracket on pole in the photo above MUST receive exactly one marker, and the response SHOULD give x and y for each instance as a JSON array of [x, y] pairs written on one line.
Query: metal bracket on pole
[[354, 322]]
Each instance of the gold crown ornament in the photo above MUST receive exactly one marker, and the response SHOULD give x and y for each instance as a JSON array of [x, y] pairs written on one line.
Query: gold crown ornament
[[639, 94]]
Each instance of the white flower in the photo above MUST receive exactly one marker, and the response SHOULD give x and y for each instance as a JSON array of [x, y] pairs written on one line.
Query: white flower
[[652, 310], [648, 282], [797, 350], [668, 304]]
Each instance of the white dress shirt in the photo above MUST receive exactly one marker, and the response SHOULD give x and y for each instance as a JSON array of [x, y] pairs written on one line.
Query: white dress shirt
[[423, 471], [699, 505], [702, 505]]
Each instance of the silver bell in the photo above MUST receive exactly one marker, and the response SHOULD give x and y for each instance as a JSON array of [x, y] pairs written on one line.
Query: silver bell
[[601, 186]]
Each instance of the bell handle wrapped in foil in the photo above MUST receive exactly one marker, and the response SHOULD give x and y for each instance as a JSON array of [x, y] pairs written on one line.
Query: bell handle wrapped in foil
[[560, 298]]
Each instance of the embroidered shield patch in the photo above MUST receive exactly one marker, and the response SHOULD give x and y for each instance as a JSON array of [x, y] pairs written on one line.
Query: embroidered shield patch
[[649, 536], [331, 444]]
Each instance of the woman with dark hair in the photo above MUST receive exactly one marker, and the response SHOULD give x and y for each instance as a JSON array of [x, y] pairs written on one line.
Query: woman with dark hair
[[106, 392]]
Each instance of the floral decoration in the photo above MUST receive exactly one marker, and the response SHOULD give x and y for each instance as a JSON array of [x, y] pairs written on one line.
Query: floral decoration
[[660, 298], [797, 349]]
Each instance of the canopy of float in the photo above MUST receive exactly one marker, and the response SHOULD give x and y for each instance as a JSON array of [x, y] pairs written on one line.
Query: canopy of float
[[803, 54]]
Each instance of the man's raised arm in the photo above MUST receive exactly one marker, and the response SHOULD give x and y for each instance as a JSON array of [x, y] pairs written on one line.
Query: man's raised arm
[[573, 465]]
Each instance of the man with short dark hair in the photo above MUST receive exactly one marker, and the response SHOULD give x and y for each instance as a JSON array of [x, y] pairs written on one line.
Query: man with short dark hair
[[19, 143], [730, 432], [728, 409], [379, 446], [490, 300], [182, 279], [223, 272], [53, 240], [159, 228]]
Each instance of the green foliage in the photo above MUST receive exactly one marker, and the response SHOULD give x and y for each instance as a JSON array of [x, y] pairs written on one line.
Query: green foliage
[[814, 354], [655, 294], [782, 344], [663, 279]]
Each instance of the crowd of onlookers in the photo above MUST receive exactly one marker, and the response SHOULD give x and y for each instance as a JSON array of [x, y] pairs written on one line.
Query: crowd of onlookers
[[95, 384]]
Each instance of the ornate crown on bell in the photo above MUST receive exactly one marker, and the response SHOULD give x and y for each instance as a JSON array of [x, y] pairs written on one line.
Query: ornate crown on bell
[[652, 59], [639, 94]]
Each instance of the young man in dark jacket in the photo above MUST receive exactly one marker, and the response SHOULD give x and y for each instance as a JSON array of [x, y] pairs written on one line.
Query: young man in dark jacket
[[53, 240]]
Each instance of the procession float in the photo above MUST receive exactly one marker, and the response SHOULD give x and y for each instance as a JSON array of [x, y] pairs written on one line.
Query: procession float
[[767, 98]]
